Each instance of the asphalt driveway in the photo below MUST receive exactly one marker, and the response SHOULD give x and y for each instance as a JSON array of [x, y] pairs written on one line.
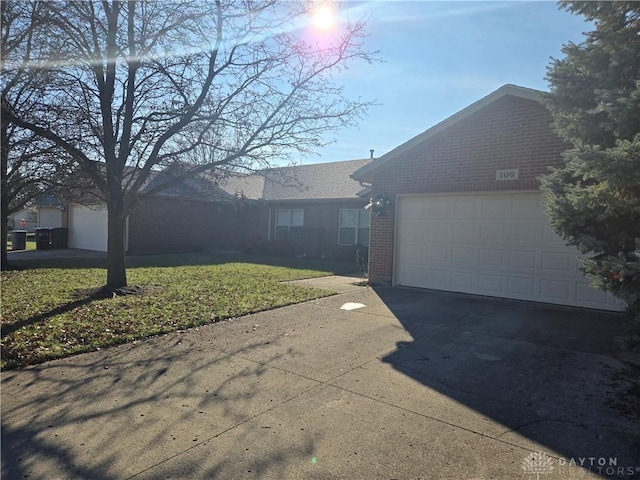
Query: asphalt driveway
[[412, 384]]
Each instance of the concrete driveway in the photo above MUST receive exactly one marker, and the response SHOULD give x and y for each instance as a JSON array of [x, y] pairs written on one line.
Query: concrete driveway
[[413, 385]]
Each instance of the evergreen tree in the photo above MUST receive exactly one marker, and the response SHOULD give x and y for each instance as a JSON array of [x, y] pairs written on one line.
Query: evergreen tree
[[594, 200]]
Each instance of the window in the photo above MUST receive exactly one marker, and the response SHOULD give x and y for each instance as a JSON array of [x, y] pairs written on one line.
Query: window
[[354, 226], [289, 225]]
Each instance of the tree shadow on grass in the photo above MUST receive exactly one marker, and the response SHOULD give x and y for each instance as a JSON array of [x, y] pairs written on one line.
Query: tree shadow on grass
[[168, 406], [10, 328], [85, 297]]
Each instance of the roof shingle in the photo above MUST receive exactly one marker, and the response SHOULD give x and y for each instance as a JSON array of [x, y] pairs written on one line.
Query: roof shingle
[[316, 181]]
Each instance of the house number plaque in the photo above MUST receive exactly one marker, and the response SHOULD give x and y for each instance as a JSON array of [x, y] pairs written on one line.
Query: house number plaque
[[507, 174]]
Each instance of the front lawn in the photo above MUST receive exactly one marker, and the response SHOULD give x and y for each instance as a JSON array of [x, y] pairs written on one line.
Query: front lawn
[[48, 310]]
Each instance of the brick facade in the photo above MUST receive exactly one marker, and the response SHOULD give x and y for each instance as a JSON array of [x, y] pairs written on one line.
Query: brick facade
[[511, 132], [321, 219], [167, 224]]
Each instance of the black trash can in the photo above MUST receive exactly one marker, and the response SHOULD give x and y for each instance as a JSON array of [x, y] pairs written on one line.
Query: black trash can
[[43, 238], [59, 238], [18, 239]]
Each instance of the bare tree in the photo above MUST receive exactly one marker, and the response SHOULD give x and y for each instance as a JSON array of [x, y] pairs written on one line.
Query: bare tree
[[31, 165], [213, 84]]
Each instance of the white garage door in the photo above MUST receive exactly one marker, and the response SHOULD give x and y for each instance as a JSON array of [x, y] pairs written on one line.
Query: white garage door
[[88, 228], [496, 244]]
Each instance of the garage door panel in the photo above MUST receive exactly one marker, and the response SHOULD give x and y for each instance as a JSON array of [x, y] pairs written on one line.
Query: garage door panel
[[525, 233], [497, 244], [490, 284], [414, 276], [440, 255], [463, 231], [464, 255], [558, 289], [521, 286], [492, 232], [437, 231], [414, 232], [560, 262], [413, 254], [465, 208], [439, 278], [440, 208], [523, 259], [526, 207], [494, 208], [491, 256], [463, 280], [414, 208]]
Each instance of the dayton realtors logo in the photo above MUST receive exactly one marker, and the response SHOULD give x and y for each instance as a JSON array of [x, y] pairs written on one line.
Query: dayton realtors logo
[[537, 463]]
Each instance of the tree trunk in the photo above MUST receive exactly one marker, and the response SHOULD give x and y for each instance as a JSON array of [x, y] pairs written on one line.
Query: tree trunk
[[4, 190], [5, 219], [116, 268]]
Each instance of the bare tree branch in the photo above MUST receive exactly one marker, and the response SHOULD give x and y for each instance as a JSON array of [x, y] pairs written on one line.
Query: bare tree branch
[[220, 84]]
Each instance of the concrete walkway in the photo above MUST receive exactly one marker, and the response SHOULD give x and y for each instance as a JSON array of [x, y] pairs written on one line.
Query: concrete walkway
[[410, 385]]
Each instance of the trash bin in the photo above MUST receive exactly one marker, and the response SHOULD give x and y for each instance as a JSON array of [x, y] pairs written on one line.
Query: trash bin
[[19, 239], [59, 238], [43, 238]]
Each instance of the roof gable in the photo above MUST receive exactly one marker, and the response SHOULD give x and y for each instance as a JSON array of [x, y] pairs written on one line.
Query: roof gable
[[366, 172]]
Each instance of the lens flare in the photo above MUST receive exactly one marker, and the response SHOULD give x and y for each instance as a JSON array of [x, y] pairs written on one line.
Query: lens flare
[[324, 18]]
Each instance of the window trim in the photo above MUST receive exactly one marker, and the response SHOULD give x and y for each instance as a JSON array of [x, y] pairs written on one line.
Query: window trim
[[357, 240], [289, 226]]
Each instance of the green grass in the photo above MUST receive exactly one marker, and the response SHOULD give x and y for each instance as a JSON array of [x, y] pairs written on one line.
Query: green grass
[[47, 311]]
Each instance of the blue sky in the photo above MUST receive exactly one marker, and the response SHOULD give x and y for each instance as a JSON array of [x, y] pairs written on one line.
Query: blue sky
[[440, 57]]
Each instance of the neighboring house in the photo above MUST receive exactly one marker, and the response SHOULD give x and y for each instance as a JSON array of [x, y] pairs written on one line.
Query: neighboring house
[[309, 210], [44, 211], [25, 219], [465, 212], [50, 211]]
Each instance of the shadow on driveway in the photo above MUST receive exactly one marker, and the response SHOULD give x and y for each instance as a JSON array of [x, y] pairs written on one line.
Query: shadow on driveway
[[545, 373], [118, 413]]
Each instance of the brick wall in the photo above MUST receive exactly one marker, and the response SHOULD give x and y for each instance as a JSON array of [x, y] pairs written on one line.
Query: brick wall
[[174, 225], [320, 224], [512, 132]]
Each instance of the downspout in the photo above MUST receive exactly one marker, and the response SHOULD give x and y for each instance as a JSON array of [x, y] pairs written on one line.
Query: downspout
[[367, 207]]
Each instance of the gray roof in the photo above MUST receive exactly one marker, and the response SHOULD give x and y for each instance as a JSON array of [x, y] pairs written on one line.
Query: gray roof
[[316, 181], [203, 186], [47, 200], [366, 172]]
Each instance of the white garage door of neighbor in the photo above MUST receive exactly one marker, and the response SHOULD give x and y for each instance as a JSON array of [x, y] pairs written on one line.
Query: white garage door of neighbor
[[495, 244], [88, 228]]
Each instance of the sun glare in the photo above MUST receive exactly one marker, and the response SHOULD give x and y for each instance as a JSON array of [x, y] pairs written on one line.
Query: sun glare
[[324, 18]]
